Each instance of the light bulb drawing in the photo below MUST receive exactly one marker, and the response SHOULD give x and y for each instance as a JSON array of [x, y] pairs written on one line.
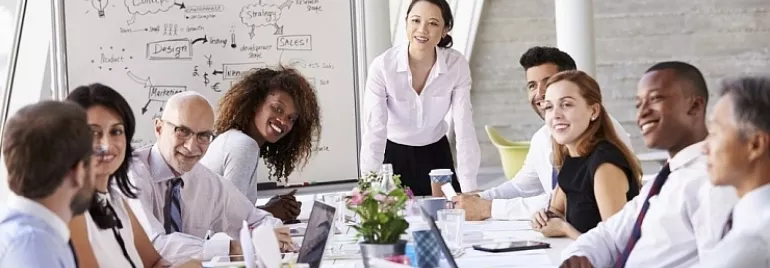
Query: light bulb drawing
[[99, 5]]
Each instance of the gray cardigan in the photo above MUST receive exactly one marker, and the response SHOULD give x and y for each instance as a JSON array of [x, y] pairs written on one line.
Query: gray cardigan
[[235, 156]]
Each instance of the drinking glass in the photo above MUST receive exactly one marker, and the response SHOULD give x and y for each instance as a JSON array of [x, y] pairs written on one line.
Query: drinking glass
[[450, 221], [338, 201]]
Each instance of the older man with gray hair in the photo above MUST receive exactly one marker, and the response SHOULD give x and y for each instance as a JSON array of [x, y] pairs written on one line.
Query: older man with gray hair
[[738, 149], [181, 201]]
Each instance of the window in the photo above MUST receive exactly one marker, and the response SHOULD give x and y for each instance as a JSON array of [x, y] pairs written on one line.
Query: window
[[7, 33]]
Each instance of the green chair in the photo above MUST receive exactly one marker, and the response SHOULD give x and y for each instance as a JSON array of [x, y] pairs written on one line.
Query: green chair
[[512, 154]]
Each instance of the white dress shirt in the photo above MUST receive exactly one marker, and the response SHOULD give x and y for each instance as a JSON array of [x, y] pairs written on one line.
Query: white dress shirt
[[105, 245], [394, 111], [530, 190], [684, 220], [209, 202], [748, 242]]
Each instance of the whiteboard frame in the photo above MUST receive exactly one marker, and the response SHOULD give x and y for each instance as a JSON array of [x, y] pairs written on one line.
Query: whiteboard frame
[[59, 67]]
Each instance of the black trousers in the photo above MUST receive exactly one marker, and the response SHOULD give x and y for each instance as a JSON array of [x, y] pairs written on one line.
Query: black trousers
[[414, 163]]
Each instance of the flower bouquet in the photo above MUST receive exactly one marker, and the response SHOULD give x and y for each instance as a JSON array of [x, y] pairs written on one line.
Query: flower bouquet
[[379, 204]]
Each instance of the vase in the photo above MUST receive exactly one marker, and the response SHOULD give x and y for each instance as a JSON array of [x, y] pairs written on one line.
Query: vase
[[373, 251]]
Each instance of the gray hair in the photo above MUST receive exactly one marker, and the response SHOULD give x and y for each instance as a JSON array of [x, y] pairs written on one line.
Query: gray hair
[[750, 97]]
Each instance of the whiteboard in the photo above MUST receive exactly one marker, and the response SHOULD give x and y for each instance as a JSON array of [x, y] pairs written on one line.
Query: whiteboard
[[149, 50]]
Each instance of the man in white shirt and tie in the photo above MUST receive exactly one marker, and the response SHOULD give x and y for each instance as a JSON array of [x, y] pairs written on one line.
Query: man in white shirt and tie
[[180, 200], [530, 189], [678, 216], [738, 149]]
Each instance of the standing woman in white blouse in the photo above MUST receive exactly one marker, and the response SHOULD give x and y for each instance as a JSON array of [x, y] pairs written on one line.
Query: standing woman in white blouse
[[410, 89], [108, 234]]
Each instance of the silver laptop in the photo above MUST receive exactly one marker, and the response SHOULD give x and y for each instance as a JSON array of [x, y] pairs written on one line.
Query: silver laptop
[[318, 227]]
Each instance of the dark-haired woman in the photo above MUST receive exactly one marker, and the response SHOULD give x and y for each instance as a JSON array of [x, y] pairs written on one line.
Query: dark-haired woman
[[109, 234], [271, 114], [410, 90]]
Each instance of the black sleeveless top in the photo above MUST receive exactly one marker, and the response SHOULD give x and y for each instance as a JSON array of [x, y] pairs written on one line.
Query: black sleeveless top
[[576, 179]]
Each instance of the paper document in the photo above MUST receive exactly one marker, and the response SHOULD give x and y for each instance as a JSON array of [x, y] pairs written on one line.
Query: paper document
[[266, 246], [249, 255], [486, 226]]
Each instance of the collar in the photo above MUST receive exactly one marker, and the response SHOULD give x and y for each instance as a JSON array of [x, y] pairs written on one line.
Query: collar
[[685, 156], [35, 209], [159, 170], [747, 208], [402, 64]]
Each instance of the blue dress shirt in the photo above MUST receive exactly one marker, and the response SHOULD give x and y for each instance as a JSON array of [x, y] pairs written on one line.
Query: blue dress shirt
[[33, 236]]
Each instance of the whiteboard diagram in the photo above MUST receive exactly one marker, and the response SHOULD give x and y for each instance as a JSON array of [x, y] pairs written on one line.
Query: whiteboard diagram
[[149, 50]]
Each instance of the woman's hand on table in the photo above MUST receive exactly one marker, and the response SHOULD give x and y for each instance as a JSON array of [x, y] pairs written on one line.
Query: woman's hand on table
[[550, 224]]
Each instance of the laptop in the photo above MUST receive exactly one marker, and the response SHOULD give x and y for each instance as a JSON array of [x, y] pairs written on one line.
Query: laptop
[[318, 230], [440, 239]]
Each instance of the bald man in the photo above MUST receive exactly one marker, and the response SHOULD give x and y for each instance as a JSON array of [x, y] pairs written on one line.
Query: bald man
[[181, 201]]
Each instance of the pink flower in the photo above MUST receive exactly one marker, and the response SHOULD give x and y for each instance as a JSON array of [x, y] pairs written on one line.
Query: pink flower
[[357, 198], [409, 193], [380, 197]]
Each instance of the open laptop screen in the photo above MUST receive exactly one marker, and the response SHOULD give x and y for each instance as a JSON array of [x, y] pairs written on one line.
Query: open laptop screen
[[318, 227]]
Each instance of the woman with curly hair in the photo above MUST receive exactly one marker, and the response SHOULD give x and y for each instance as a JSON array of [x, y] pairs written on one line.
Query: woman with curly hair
[[272, 114]]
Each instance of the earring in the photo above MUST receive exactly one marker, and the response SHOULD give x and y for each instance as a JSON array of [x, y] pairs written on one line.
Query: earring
[[593, 118]]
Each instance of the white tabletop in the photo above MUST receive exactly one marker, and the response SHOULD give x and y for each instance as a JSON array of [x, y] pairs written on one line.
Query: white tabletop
[[477, 259], [492, 232]]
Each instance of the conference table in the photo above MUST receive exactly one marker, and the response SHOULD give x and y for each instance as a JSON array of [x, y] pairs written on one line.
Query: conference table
[[343, 252]]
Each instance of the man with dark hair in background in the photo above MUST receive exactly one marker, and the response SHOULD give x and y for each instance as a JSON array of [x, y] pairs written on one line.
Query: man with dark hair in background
[[678, 216], [530, 190], [47, 149]]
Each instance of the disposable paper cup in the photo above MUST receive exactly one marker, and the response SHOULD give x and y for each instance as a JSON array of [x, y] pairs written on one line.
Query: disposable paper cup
[[439, 177]]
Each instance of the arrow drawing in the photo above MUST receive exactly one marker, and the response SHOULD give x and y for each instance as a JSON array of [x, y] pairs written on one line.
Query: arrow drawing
[[296, 62], [146, 82], [181, 6], [132, 20], [216, 72], [144, 109], [204, 39], [232, 40], [286, 4], [278, 29]]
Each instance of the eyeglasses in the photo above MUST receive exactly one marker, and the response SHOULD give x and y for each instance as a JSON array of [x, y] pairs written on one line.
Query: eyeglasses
[[183, 132]]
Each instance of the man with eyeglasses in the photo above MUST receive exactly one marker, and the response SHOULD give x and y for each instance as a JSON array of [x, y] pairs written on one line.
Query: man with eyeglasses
[[181, 201]]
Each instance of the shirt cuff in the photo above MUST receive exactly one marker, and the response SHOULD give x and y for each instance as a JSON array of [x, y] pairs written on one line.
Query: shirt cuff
[[216, 247], [499, 209], [468, 186], [487, 195]]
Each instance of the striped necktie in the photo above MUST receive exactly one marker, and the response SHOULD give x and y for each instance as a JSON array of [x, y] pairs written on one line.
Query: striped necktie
[[173, 221], [636, 233], [728, 225]]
